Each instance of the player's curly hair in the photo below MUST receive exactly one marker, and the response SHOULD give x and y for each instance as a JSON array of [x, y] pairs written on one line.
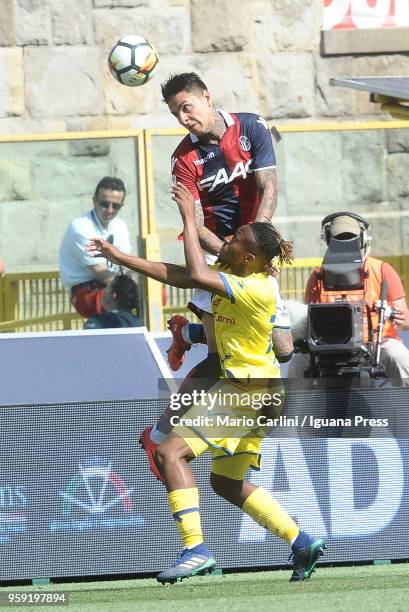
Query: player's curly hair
[[126, 291], [185, 81], [269, 242]]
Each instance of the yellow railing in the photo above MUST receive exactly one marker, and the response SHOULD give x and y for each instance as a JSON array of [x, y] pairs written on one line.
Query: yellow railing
[[36, 301]]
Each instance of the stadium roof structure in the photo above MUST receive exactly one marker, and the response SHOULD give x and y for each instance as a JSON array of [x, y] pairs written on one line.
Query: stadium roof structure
[[392, 93]]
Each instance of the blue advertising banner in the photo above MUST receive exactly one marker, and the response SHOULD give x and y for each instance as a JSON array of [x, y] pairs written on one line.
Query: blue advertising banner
[[77, 498]]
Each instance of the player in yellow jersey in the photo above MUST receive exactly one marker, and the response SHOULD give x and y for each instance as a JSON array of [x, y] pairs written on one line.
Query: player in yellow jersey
[[244, 311]]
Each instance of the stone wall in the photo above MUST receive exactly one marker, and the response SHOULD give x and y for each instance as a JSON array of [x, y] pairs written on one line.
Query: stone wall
[[254, 54], [258, 55]]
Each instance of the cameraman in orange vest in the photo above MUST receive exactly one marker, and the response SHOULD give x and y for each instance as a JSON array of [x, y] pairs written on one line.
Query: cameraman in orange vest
[[394, 355]]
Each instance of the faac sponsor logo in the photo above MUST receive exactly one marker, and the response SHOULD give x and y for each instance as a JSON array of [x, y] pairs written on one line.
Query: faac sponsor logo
[[203, 160], [241, 169]]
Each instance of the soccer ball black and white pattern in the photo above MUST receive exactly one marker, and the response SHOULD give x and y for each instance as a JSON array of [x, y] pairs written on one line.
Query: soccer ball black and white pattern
[[133, 60]]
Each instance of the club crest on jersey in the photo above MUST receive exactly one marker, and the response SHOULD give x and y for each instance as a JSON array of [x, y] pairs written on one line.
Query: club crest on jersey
[[221, 178], [245, 143]]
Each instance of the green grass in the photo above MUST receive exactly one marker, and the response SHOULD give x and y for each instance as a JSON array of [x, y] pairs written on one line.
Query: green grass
[[345, 589]]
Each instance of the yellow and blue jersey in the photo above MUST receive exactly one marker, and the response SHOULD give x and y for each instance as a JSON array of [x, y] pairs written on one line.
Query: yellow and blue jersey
[[243, 324]]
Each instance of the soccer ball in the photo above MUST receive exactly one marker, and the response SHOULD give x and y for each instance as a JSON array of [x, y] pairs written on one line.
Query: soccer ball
[[133, 60]]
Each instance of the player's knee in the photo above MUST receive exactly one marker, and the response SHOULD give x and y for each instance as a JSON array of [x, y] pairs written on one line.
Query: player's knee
[[169, 453], [165, 456], [226, 487]]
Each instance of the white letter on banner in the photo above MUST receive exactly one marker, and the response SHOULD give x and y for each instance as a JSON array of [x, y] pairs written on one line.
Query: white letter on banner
[[299, 501], [365, 16], [346, 520], [334, 13], [401, 13]]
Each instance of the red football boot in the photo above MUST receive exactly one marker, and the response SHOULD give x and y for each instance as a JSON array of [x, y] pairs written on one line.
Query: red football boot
[[178, 348], [150, 448]]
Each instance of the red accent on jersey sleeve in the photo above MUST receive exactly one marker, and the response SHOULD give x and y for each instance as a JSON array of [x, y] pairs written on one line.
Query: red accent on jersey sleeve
[[183, 167]]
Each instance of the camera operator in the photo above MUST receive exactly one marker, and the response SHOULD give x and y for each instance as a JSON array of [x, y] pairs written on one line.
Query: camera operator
[[394, 355]]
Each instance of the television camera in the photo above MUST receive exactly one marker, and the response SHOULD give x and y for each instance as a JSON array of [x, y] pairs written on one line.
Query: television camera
[[340, 340]]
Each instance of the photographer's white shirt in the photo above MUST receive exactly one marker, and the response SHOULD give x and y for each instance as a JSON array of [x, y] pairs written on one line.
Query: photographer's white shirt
[[74, 260]]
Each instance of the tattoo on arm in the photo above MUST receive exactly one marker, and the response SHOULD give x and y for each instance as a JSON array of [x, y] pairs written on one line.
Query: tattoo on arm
[[209, 241], [199, 215], [282, 341], [266, 181]]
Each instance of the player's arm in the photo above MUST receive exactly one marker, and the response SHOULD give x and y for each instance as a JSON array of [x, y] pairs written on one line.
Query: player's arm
[[183, 173], [266, 181], [282, 344], [264, 164], [171, 274], [207, 239], [198, 270]]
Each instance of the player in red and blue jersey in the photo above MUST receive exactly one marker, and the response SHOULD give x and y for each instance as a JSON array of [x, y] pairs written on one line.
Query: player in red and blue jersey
[[228, 178], [227, 162]]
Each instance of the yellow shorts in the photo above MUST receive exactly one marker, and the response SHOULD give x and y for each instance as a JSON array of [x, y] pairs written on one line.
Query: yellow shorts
[[230, 432]]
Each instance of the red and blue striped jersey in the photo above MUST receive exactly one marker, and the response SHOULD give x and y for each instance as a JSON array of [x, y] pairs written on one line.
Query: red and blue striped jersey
[[221, 176]]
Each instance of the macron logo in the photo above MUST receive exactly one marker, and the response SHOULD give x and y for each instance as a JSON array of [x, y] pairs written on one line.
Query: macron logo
[[203, 160], [221, 178]]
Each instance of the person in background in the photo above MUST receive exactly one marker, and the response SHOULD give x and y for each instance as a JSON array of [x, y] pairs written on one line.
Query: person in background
[[85, 276], [121, 304], [394, 355]]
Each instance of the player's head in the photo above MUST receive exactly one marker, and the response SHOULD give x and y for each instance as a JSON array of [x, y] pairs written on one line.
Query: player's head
[[121, 294], [108, 198], [252, 248], [189, 101]]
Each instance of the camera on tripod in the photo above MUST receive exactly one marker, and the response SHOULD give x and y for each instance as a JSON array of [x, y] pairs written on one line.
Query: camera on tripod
[[340, 338]]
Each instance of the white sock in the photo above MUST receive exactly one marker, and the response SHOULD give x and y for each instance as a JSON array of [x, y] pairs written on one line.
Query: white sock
[[185, 333], [156, 435], [294, 539]]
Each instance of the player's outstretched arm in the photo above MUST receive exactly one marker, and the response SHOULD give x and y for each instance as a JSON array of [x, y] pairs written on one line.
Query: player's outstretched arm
[[170, 274], [197, 267]]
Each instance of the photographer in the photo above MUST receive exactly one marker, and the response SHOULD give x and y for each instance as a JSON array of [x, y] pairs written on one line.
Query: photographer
[[394, 355]]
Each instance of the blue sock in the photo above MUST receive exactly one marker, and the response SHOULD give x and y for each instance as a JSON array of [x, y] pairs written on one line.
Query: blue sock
[[303, 540], [196, 333]]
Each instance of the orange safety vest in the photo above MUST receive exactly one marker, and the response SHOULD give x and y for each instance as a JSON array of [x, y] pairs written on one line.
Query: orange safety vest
[[370, 294]]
